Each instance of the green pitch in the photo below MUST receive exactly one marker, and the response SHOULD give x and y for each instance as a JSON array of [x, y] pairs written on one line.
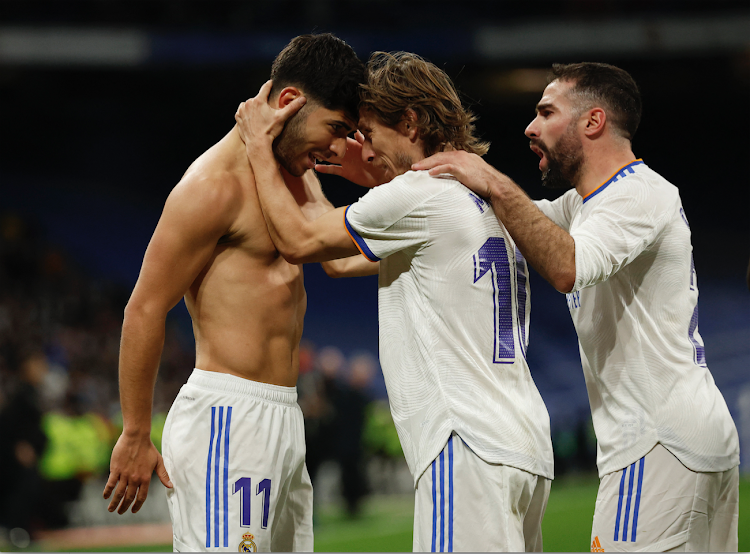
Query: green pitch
[[385, 524]]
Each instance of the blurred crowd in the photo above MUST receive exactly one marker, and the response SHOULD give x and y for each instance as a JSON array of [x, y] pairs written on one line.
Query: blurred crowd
[[59, 407]]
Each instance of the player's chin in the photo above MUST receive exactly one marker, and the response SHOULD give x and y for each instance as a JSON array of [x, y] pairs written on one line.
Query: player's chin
[[298, 169]]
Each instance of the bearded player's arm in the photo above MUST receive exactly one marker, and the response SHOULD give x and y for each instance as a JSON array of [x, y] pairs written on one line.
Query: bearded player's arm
[[547, 247]]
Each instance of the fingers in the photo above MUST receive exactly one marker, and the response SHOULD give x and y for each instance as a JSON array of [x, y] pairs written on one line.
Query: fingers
[[127, 499], [351, 143], [265, 91], [237, 113], [119, 493], [161, 472], [437, 170], [292, 108], [359, 137], [140, 498], [111, 483], [328, 169], [126, 492]]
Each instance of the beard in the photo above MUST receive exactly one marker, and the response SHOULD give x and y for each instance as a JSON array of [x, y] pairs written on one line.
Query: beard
[[564, 162], [288, 146], [403, 162]]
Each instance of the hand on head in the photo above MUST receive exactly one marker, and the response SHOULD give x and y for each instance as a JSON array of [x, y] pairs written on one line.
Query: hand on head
[[257, 121]]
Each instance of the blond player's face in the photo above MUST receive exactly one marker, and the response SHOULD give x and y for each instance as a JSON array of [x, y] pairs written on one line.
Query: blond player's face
[[384, 146], [316, 133]]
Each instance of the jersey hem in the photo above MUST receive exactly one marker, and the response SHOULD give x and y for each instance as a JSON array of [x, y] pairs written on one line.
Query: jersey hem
[[732, 461], [539, 472]]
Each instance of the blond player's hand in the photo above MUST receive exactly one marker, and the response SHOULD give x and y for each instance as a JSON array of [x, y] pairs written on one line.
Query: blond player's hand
[[353, 168], [258, 123], [134, 460]]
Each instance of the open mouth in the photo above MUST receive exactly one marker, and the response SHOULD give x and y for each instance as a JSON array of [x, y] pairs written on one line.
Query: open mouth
[[539, 152], [313, 158], [317, 158]]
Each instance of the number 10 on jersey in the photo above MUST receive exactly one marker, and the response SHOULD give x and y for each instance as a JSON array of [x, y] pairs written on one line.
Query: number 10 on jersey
[[492, 258]]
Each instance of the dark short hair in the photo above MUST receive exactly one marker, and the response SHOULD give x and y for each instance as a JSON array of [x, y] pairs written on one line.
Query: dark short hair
[[325, 68], [605, 86], [398, 81]]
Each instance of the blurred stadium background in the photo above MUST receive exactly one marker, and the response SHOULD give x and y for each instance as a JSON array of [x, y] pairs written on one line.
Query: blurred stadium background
[[105, 103]]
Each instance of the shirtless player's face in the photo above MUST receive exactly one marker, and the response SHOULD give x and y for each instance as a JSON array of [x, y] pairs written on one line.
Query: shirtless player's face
[[315, 133]]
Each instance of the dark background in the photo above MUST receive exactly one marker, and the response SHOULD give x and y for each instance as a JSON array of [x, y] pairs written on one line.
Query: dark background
[[93, 145]]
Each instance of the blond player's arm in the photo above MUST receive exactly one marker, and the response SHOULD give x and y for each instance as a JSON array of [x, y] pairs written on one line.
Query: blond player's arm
[[298, 239], [315, 206], [196, 214]]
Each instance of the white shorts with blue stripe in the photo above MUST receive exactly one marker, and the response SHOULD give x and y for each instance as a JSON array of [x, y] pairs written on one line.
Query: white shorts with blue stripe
[[235, 452], [466, 504], [657, 504]]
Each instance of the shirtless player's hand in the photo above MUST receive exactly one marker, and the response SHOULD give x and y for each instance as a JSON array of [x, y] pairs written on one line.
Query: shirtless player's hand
[[260, 124]]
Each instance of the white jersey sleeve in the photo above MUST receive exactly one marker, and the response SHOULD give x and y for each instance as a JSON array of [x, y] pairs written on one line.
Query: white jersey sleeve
[[391, 217], [561, 210]]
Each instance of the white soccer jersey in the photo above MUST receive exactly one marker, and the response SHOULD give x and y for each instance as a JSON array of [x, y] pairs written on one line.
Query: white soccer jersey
[[635, 308], [453, 304]]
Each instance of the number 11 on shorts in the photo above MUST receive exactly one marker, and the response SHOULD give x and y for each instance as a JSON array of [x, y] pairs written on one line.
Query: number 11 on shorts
[[244, 485]]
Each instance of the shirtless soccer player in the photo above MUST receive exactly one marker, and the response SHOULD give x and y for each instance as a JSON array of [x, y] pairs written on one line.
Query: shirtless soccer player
[[453, 306], [618, 243], [233, 445]]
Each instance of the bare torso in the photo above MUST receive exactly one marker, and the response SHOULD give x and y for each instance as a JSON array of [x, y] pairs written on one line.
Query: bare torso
[[247, 303]]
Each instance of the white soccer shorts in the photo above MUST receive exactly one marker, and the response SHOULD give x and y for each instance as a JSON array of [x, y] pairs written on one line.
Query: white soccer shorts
[[235, 452], [657, 504], [466, 504]]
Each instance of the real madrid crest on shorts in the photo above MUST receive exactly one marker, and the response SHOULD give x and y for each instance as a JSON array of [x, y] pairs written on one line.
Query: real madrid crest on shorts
[[247, 544]]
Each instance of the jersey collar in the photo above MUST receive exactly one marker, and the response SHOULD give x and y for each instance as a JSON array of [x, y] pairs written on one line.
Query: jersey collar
[[622, 172]]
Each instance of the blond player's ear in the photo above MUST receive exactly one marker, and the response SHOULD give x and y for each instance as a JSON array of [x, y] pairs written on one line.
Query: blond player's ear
[[407, 125]]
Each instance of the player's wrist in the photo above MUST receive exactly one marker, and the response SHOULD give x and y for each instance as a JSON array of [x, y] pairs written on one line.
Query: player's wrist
[[137, 431]]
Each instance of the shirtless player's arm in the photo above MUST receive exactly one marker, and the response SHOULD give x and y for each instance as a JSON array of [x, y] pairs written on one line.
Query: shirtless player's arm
[[298, 239], [195, 217], [318, 205]]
